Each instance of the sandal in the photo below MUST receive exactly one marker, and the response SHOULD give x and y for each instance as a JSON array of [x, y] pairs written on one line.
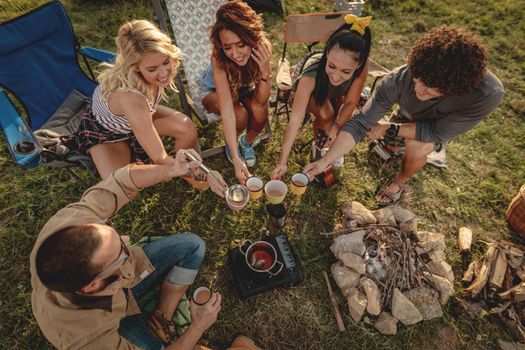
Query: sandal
[[197, 179], [393, 197]]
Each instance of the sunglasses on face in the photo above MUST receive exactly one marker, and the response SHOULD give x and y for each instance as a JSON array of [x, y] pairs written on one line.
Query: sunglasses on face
[[123, 256]]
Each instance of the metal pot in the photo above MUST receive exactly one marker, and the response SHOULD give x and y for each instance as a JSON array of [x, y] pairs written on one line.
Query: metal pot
[[261, 257]]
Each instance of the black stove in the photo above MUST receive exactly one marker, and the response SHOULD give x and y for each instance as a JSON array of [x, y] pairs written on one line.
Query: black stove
[[250, 282]]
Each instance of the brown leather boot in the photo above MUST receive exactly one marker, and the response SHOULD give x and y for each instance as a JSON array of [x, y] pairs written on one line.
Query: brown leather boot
[[160, 327]]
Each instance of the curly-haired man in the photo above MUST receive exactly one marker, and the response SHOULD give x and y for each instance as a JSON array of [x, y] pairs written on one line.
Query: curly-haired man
[[444, 90]]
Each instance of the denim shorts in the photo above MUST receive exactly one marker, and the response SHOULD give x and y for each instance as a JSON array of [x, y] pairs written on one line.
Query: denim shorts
[[176, 258], [206, 83]]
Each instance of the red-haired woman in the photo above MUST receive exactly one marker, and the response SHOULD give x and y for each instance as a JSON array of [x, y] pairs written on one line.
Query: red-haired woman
[[237, 83]]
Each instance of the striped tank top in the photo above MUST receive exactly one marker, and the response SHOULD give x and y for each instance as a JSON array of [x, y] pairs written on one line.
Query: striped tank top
[[112, 122]]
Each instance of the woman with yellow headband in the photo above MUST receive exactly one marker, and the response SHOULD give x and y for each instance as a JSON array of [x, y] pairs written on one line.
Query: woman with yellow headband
[[329, 85]]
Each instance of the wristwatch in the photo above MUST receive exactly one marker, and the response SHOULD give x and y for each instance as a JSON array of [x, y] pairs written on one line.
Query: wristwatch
[[392, 131]]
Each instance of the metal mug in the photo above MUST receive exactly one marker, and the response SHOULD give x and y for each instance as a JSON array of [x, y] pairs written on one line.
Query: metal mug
[[275, 191], [255, 185], [201, 295], [299, 183], [261, 257], [236, 197]]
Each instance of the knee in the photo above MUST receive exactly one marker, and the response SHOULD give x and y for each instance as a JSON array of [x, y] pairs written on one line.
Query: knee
[[197, 247], [417, 149], [241, 117], [325, 116], [260, 115], [187, 127]]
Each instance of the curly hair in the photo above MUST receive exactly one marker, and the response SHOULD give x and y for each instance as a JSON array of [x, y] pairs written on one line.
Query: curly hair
[[449, 59], [136, 38], [240, 18], [63, 261]]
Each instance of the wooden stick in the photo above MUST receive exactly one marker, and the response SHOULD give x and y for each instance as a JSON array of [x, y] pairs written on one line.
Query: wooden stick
[[499, 270], [339, 319], [465, 239]]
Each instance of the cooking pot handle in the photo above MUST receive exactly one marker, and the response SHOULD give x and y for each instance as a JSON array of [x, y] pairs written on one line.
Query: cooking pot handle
[[277, 262], [244, 244]]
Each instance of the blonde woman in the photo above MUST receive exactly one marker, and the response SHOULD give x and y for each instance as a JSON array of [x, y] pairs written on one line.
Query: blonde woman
[[126, 121]]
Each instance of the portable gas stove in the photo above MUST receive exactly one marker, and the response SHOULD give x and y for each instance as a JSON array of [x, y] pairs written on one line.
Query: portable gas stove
[[250, 282]]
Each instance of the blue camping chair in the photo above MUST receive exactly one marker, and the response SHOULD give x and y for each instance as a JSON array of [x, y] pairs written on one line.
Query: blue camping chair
[[39, 67]]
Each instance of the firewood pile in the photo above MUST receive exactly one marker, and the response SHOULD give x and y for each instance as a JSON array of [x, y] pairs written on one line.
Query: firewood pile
[[390, 269], [496, 286]]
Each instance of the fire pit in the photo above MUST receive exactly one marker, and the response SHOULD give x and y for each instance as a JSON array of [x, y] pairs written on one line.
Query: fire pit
[[390, 269]]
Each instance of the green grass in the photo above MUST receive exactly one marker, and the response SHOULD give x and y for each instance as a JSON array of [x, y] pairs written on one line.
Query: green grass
[[486, 168]]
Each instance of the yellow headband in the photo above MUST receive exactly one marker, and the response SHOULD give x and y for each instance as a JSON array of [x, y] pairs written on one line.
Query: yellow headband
[[358, 24]]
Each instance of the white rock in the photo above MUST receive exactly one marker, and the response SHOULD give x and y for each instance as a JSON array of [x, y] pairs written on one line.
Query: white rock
[[404, 310], [426, 300], [351, 242], [386, 324], [437, 255], [441, 268], [408, 226], [385, 216], [344, 277], [401, 214], [353, 261], [357, 305], [442, 285], [373, 296], [429, 241], [357, 211]]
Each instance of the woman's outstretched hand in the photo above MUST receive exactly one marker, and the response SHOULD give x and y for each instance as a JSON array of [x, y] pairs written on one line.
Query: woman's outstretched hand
[[279, 171], [217, 183], [241, 171]]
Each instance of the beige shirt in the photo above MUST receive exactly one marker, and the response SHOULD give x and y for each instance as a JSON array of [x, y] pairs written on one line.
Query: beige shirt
[[76, 321]]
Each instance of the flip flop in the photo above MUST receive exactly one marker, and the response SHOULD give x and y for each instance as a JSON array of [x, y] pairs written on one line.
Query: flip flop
[[393, 197]]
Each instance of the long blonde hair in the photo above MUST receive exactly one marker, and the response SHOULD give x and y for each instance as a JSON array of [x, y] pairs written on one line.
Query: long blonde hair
[[134, 39]]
